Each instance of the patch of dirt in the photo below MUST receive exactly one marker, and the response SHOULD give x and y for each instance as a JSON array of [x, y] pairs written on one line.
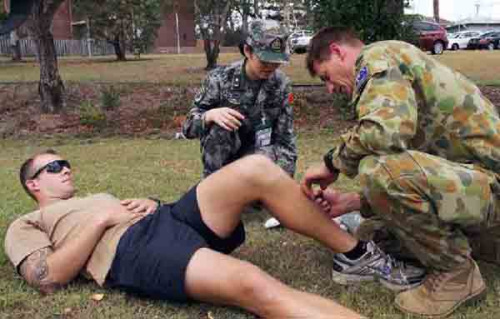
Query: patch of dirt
[[143, 109]]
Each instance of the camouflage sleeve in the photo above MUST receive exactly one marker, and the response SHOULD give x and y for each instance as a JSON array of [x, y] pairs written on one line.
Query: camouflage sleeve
[[207, 98], [484, 142], [285, 146], [387, 120]]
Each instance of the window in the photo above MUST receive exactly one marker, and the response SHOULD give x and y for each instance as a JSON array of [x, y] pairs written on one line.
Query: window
[[425, 26]]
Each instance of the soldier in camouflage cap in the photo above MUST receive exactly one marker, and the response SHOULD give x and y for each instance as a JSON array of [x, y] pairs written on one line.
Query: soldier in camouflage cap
[[427, 152], [245, 108], [268, 40]]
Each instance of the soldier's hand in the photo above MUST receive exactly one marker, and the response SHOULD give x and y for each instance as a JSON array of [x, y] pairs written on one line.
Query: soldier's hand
[[225, 117], [340, 203], [140, 205], [316, 175], [114, 214]]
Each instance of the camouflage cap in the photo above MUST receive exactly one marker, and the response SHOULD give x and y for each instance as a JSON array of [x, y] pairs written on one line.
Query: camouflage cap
[[268, 40]]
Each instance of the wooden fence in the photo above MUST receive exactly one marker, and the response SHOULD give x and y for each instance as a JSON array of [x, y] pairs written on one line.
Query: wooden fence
[[63, 47]]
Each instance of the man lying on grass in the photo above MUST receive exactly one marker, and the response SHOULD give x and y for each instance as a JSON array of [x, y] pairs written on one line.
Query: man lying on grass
[[176, 251]]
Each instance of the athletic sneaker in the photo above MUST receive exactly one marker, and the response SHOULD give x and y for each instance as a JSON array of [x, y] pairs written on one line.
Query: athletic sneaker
[[376, 265], [272, 223]]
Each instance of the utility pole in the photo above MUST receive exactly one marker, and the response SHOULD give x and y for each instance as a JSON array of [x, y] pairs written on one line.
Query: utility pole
[[176, 7], [89, 44], [436, 10]]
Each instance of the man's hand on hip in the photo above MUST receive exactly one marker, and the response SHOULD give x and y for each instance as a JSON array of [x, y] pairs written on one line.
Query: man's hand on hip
[[114, 215], [140, 205]]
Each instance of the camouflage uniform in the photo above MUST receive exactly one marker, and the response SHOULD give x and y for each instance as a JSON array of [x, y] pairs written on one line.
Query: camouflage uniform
[[427, 149], [268, 125]]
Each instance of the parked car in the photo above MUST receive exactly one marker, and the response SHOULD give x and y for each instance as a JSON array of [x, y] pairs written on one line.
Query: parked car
[[488, 40], [432, 36], [299, 41], [461, 39]]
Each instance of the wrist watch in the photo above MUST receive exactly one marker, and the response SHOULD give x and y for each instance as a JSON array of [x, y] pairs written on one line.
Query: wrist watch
[[327, 159]]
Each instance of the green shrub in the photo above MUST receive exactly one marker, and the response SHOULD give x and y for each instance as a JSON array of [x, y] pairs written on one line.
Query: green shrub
[[92, 115], [110, 98]]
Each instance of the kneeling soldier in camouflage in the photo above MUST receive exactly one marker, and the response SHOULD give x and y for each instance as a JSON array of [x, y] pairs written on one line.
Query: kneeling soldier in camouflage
[[427, 152], [245, 107]]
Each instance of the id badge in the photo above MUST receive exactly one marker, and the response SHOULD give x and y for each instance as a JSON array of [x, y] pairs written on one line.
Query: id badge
[[263, 136]]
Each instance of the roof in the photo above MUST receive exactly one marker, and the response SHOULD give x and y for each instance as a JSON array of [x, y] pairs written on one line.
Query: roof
[[476, 20]]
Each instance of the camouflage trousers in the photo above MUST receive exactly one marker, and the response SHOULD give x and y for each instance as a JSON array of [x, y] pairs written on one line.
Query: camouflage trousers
[[431, 205], [220, 147]]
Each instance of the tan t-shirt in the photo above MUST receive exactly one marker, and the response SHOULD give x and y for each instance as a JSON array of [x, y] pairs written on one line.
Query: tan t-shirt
[[59, 223]]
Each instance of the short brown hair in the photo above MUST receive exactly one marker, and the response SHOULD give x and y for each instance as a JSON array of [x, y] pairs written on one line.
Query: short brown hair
[[26, 171], [320, 43]]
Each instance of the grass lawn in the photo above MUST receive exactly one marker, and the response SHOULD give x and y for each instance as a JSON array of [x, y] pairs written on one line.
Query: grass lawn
[[188, 68], [165, 169]]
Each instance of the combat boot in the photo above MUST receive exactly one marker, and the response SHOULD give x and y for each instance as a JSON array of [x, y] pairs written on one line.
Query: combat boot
[[443, 292]]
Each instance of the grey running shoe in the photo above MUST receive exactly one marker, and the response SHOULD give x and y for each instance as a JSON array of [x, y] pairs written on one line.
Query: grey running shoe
[[376, 265]]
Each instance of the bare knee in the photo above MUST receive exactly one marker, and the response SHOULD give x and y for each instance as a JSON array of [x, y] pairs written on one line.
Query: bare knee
[[259, 170]]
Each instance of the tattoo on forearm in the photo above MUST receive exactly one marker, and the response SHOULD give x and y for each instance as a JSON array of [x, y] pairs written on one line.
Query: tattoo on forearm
[[36, 271]]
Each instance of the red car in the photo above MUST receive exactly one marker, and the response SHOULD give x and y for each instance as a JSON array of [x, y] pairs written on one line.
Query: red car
[[488, 40], [432, 36]]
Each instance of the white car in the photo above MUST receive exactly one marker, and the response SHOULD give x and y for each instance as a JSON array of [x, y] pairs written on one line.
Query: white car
[[299, 41], [460, 40]]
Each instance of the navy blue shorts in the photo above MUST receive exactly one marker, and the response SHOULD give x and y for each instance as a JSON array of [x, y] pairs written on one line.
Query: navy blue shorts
[[152, 256]]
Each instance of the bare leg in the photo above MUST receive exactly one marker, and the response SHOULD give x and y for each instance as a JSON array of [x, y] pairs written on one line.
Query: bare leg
[[222, 196], [221, 279]]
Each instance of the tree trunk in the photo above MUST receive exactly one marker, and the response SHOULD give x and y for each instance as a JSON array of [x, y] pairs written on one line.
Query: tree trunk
[[436, 10], [119, 49], [212, 48], [51, 87], [15, 46], [256, 9], [245, 13]]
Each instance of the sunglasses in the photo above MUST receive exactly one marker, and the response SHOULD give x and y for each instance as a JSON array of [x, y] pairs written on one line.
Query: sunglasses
[[53, 167]]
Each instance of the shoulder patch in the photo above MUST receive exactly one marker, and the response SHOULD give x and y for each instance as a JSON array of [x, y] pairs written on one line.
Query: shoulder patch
[[362, 77]]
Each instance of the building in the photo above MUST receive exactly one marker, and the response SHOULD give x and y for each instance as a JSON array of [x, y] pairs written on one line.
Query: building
[[180, 18], [61, 24], [474, 24]]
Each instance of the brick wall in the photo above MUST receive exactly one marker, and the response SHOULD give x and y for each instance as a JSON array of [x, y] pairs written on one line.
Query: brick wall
[[166, 40], [61, 24]]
